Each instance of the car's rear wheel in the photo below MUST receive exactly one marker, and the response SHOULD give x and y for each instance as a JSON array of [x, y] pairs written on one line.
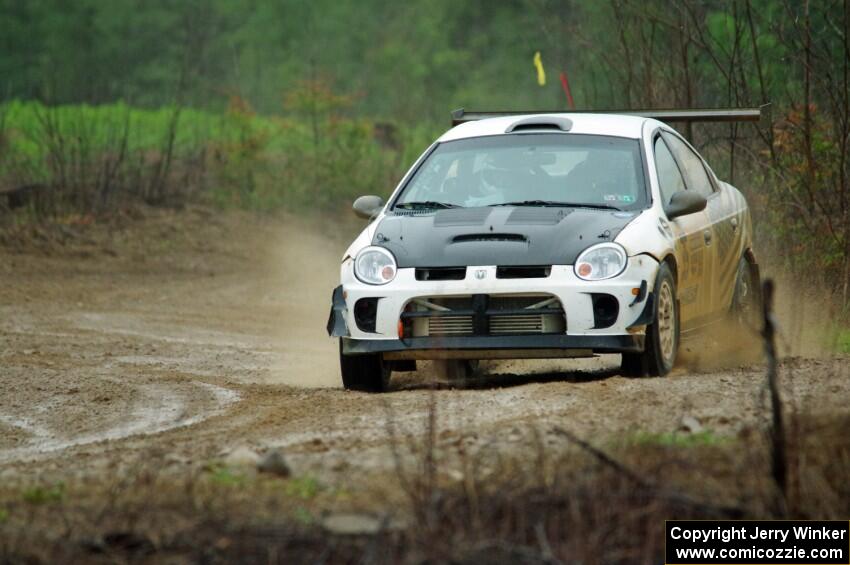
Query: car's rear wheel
[[367, 372], [662, 335], [746, 300]]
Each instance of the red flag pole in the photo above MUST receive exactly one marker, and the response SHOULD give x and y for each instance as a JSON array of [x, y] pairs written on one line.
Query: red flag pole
[[566, 86]]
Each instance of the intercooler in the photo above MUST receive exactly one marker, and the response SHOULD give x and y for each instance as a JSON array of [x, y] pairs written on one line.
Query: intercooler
[[443, 325], [483, 314]]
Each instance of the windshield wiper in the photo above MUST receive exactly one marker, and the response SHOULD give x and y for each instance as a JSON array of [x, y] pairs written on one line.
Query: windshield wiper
[[534, 203], [598, 206], [556, 203], [425, 204]]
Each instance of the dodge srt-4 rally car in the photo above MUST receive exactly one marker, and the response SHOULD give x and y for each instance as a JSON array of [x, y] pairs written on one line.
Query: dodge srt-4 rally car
[[545, 236]]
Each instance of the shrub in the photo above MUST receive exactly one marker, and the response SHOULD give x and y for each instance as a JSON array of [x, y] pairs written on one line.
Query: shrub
[[89, 159]]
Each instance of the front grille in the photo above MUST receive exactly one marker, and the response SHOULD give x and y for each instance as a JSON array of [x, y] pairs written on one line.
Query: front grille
[[481, 314], [525, 272], [440, 273]]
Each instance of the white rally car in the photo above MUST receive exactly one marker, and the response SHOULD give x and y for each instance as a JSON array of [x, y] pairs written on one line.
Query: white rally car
[[545, 236]]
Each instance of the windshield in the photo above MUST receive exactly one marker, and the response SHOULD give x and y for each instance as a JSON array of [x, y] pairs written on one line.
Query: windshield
[[530, 170]]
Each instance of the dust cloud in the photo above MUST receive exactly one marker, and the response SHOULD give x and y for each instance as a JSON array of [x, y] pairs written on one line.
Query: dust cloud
[[304, 268]]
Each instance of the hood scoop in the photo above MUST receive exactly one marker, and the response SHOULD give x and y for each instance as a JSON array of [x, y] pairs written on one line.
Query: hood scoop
[[471, 237]]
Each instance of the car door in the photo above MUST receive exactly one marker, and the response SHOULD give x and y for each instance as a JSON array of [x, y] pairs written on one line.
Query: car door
[[689, 240], [717, 239]]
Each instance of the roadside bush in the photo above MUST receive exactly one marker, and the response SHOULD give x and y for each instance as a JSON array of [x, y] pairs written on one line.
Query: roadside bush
[[89, 159]]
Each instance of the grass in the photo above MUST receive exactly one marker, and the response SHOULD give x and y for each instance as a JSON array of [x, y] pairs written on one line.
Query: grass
[[304, 488], [224, 476], [24, 120], [842, 341], [674, 439], [41, 494], [88, 158]]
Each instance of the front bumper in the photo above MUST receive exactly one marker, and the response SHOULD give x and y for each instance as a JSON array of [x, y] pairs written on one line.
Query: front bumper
[[575, 296], [494, 347]]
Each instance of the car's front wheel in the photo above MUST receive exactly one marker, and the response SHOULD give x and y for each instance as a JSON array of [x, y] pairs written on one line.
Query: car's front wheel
[[662, 335], [367, 372]]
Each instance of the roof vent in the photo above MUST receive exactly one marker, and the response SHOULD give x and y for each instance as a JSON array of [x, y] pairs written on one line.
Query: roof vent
[[541, 122]]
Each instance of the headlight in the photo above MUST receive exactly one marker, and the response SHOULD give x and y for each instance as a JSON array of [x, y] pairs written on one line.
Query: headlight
[[375, 265], [601, 261]]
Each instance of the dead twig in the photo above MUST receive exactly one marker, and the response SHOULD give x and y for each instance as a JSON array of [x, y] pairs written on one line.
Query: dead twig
[[650, 486]]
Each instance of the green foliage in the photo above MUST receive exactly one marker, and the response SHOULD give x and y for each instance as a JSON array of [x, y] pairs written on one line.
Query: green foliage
[[85, 158], [705, 437], [319, 159], [303, 516], [25, 123], [222, 475], [405, 59], [39, 494], [4, 515], [306, 487], [842, 341]]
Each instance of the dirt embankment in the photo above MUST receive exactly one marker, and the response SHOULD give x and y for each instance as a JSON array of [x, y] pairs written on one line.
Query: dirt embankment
[[182, 336]]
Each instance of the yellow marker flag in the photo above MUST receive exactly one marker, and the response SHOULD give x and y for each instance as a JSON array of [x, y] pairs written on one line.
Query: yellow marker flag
[[541, 74]]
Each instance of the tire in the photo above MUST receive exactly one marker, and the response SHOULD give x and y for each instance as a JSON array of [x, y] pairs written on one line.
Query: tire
[[662, 335], [366, 373], [746, 299]]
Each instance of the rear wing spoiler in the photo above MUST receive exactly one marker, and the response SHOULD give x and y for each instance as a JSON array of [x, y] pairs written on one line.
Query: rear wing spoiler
[[688, 116]]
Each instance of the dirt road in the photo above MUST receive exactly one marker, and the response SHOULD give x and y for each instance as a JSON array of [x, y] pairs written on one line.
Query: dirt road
[[182, 336]]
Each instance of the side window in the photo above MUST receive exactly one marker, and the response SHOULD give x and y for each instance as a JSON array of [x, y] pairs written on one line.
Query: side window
[[692, 166], [669, 178]]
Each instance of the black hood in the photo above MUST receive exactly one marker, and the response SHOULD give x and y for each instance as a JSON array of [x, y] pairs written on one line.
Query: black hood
[[506, 236]]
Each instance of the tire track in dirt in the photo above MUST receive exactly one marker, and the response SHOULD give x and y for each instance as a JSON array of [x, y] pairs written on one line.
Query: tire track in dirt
[[161, 408]]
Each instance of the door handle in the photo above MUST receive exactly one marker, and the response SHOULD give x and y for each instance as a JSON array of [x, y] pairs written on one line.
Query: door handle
[[707, 236]]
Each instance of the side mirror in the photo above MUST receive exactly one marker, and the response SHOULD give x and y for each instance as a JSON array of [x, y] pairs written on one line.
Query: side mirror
[[685, 202], [368, 206]]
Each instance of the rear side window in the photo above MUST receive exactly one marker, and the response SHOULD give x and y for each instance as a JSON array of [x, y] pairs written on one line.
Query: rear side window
[[692, 166], [670, 179]]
